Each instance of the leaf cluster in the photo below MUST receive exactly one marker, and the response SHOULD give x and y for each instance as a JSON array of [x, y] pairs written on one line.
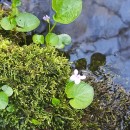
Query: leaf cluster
[[18, 21]]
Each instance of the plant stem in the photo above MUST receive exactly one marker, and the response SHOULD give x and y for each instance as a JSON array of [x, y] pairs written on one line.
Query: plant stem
[[53, 27], [49, 26]]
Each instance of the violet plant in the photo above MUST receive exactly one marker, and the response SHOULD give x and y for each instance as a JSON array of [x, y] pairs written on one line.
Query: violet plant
[[66, 11]]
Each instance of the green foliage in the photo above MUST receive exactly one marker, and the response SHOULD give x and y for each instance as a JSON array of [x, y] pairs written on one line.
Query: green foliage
[[20, 22], [10, 108], [3, 100], [66, 10], [7, 23], [38, 39], [81, 94], [7, 90], [58, 41], [64, 39], [35, 122], [52, 39], [55, 101], [26, 22]]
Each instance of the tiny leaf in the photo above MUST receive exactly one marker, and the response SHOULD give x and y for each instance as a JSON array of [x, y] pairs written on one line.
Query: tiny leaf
[[52, 39], [10, 108], [38, 39], [65, 39], [8, 90], [66, 10], [35, 122], [3, 100], [81, 94], [27, 22], [55, 101]]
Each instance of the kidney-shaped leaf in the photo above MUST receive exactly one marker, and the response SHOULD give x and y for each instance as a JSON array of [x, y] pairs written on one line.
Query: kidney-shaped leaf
[[81, 94], [3, 100], [55, 101], [38, 39], [8, 90], [66, 10], [65, 39], [52, 39], [7, 24], [27, 22]]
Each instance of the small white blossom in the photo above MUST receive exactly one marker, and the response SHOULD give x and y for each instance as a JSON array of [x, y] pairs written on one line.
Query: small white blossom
[[77, 77], [46, 18]]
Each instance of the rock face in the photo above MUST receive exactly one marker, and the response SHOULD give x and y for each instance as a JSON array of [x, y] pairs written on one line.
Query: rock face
[[103, 26]]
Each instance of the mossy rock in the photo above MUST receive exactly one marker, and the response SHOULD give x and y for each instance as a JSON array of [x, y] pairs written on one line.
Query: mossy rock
[[36, 76], [110, 109], [39, 74]]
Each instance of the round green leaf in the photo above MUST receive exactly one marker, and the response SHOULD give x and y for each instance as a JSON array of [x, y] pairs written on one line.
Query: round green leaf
[[8, 90], [7, 24], [38, 39], [10, 108], [65, 39], [55, 101], [81, 94], [52, 39], [66, 10], [35, 122], [27, 22], [3, 100]]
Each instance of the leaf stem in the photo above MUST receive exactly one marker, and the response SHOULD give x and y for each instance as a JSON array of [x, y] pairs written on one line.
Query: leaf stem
[[53, 27]]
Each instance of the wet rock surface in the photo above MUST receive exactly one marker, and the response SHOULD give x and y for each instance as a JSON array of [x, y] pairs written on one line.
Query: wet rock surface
[[103, 27]]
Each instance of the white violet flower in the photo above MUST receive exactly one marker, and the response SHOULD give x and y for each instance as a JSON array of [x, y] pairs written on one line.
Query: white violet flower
[[46, 18], [77, 77]]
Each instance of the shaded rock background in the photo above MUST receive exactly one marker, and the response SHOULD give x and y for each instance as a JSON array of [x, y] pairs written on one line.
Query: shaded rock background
[[103, 26]]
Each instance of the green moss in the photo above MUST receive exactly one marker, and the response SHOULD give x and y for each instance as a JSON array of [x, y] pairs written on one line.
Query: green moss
[[4, 43], [36, 76], [110, 109]]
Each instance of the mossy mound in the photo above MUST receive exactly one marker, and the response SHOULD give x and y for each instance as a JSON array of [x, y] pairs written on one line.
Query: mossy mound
[[110, 109], [36, 76]]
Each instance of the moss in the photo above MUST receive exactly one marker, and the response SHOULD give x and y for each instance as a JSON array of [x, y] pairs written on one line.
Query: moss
[[36, 75], [4, 43], [110, 109], [81, 64], [97, 60]]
